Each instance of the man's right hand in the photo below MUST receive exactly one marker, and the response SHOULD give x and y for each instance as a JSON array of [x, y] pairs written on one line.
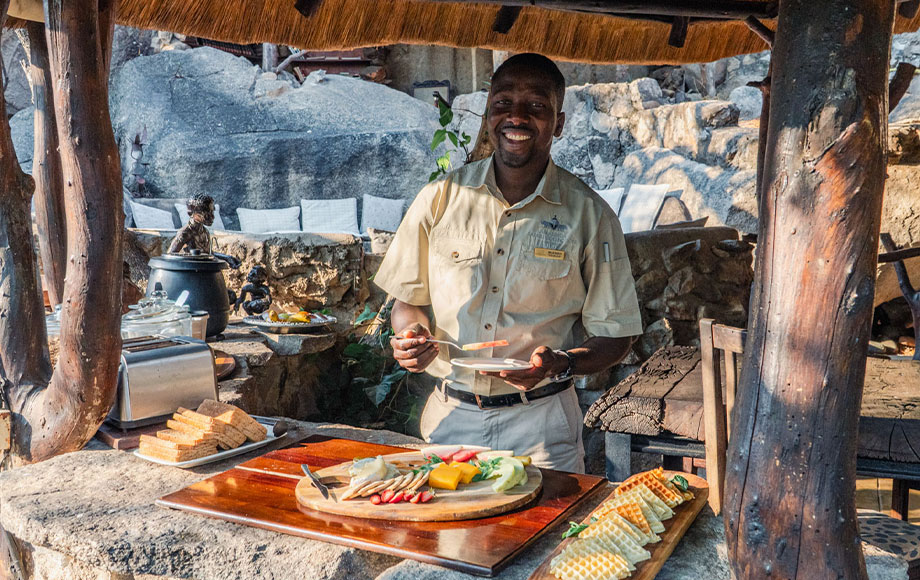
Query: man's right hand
[[412, 351]]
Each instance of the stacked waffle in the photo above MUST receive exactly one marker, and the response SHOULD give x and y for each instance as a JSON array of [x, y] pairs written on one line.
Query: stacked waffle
[[612, 544], [195, 434]]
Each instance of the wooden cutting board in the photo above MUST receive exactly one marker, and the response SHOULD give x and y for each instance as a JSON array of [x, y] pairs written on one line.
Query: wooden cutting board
[[260, 493], [469, 501], [675, 528]]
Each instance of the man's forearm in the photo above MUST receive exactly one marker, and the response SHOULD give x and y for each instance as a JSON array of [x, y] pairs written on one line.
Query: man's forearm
[[404, 315], [599, 353]]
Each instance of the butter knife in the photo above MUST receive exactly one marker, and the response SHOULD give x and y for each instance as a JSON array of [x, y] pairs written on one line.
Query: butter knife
[[316, 482]]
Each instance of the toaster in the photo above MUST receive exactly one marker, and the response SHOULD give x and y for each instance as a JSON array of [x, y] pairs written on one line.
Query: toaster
[[158, 375]]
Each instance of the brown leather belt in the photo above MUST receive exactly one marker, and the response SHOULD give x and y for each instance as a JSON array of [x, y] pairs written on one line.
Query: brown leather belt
[[509, 400]]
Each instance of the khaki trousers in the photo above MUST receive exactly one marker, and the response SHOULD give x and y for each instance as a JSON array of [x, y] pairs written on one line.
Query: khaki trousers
[[548, 429]]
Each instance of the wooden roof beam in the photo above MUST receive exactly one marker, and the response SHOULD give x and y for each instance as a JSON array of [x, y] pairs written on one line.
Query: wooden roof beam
[[307, 8], [679, 28], [720, 9]]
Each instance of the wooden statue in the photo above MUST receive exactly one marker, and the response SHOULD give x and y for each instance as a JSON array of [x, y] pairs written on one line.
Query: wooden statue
[[194, 237], [260, 293]]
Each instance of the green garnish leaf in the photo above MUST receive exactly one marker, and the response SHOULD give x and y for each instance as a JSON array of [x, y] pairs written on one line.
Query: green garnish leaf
[[574, 529], [680, 482], [487, 469]]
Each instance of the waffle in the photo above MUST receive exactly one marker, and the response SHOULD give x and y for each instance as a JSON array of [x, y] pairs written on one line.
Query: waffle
[[610, 529], [670, 497], [651, 516], [632, 512], [661, 508], [589, 560]]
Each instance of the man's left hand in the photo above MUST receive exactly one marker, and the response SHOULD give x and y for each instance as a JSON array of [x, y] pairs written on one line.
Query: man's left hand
[[546, 363]]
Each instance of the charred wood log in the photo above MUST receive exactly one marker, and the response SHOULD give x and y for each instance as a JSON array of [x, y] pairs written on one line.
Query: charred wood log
[[790, 484]]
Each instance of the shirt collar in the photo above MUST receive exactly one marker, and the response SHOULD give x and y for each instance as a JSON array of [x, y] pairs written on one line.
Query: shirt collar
[[482, 173]]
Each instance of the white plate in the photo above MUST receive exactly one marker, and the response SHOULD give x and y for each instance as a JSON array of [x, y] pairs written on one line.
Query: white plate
[[491, 364], [268, 424]]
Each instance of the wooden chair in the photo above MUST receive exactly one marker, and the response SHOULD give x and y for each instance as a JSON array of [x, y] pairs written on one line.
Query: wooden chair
[[718, 344], [720, 347]]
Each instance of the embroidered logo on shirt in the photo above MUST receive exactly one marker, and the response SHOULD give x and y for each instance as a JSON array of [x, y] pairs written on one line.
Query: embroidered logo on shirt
[[554, 224]]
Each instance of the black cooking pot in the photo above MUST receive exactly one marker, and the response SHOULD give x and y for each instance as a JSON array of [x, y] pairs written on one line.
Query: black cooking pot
[[202, 276]]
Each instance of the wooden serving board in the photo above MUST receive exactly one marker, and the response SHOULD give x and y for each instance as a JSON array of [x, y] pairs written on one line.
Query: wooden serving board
[[468, 501], [675, 528], [260, 493]]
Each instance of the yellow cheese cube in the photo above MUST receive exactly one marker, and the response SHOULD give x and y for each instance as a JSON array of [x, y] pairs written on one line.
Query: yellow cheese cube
[[469, 471], [445, 477]]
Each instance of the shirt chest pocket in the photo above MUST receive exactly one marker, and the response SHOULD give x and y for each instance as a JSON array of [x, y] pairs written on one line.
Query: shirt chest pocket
[[456, 263], [545, 268]]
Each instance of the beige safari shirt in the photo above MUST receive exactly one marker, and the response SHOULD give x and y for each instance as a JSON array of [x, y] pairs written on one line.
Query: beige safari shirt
[[550, 270]]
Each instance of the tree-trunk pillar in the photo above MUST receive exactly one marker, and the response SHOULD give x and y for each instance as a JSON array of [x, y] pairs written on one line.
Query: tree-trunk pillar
[[790, 487], [46, 170], [269, 56]]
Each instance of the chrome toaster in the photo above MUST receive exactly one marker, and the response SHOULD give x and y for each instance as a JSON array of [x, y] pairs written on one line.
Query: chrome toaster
[[158, 375]]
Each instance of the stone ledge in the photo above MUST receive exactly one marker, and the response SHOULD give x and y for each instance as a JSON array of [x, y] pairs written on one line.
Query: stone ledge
[[90, 515]]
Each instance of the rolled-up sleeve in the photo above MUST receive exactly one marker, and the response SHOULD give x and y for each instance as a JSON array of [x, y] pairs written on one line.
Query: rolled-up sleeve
[[611, 308], [403, 274]]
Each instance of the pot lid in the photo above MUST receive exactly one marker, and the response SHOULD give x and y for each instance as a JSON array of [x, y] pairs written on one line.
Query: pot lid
[[188, 262]]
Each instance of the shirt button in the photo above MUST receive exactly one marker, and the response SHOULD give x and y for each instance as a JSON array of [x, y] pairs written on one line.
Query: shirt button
[[507, 214], [455, 255], [501, 252], [494, 289], [488, 326]]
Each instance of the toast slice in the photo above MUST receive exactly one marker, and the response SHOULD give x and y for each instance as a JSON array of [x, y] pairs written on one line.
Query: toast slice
[[167, 444], [180, 437], [252, 429], [166, 454], [190, 430]]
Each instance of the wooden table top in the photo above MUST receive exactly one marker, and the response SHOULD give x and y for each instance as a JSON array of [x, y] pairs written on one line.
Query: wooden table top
[[260, 493]]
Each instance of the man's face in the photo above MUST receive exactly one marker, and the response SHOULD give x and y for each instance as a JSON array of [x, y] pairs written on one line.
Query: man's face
[[523, 117]]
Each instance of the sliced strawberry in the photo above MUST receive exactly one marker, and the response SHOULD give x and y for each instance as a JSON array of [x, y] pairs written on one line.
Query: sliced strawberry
[[408, 496], [397, 498], [465, 455], [386, 496], [416, 498], [375, 499], [425, 496]]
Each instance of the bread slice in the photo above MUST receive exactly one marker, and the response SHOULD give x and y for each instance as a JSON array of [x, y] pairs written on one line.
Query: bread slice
[[252, 429], [197, 419], [167, 444], [190, 430], [181, 437], [166, 454]]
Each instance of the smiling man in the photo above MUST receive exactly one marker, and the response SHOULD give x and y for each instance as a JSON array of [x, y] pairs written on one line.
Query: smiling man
[[512, 247]]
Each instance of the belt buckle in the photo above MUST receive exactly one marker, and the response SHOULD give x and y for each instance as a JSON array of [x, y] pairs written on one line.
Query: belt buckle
[[442, 386], [478, 401]]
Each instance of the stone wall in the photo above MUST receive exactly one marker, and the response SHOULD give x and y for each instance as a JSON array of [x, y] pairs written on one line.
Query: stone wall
[[304, 270]]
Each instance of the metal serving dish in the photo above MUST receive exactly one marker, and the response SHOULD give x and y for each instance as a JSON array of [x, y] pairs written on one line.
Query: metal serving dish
[[287, 327]]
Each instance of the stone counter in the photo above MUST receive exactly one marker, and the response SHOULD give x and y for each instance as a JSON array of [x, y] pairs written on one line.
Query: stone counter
[[91, 515]]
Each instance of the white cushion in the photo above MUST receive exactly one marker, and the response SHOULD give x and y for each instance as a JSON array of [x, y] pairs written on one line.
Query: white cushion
[[641, 206], [330, 216], [613, 197], [262, 221], [151, 218], [381, 213], [218, 221]]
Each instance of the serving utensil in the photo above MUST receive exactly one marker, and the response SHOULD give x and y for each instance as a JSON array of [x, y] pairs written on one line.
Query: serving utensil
[[469, 346], [316, 482]]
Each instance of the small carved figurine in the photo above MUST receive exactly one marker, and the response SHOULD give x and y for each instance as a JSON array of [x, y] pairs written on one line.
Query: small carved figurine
[[194, 237], [260, 294]]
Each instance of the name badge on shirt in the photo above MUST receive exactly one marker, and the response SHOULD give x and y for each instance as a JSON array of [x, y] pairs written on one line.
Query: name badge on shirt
[[548, 253]]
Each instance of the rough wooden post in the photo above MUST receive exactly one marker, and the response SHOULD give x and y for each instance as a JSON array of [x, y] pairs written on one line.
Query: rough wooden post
[[46, 170], [59, 412], [790, 490]]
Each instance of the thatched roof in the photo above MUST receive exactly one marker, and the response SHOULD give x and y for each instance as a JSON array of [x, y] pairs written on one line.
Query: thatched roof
[[346, 24]]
